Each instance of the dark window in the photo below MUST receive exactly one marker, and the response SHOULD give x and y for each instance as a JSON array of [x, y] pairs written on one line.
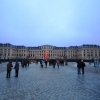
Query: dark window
[[8, 54]]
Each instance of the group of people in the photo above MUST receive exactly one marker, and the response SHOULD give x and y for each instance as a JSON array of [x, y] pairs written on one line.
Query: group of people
[[9, 68], [80, 66], [42, 63], [25, 63], [52, 62]]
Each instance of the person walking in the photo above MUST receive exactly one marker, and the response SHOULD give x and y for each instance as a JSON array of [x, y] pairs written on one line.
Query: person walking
[[58, 63], [46, 63], [82, 66], [28, 62], [9, 68], [42, 63], [54, 63], [66, 63], [16, 68], [22, 63], [79, 64]]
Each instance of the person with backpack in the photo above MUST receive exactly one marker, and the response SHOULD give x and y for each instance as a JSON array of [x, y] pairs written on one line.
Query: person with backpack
[[9, 68], [16, 68]]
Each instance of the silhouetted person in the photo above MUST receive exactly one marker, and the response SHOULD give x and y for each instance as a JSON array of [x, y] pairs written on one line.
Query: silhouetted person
[[25, 62], [28, 62], [16, 68], [82, 66], [79, 64], [54, 63], [42, 63], [46, 63], [22, 63], [9, 68], [58, 63], [66, 63]]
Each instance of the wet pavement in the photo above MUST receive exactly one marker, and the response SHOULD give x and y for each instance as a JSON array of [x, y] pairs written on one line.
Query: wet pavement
[[36, 83]]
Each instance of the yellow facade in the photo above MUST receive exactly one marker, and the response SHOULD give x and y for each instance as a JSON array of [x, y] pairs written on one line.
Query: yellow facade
[[83, 52]]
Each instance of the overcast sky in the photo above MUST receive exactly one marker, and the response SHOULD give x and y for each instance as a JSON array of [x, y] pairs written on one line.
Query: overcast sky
[[52, 22]]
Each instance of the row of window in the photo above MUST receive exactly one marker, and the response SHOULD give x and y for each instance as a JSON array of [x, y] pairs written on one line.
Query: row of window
[[42, 47], [88, 51], [91, 55], [32, 55], [39, 51], [5, 49], [6, 54], [91, 50]]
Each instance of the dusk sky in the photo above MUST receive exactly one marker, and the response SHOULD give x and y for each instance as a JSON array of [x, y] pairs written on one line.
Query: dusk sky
[[53, 22]]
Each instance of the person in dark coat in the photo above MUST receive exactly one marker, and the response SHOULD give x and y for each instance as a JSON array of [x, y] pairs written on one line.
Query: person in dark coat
[[9, 68], [79, 64], [28, 62], [16, 68], [58, 63], [46, 63], [82, 66], [54, 63]]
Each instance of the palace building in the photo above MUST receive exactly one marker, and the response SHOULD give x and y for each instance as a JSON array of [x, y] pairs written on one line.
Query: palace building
[[86, 51]]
